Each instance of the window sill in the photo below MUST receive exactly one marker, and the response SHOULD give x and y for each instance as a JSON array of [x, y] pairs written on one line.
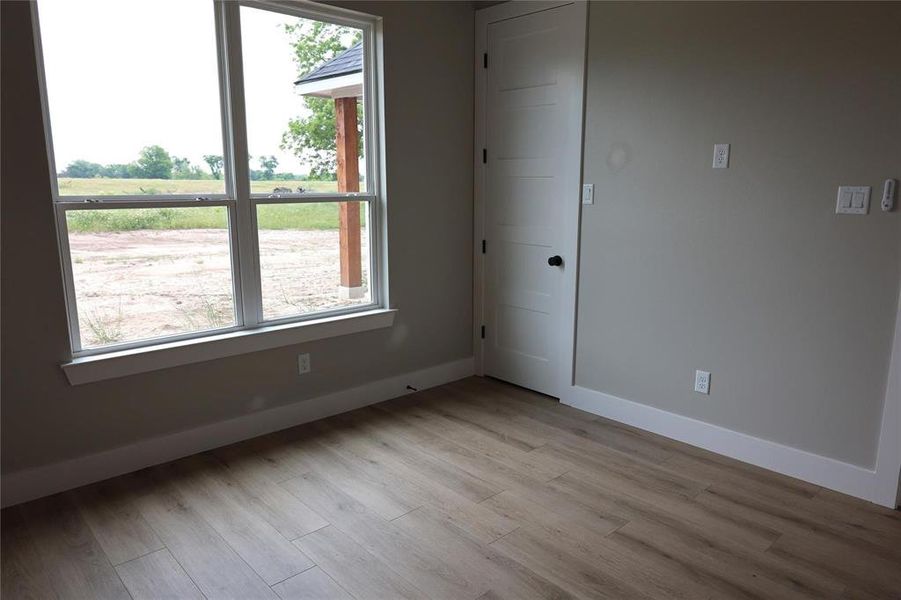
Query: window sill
[[88, 369]]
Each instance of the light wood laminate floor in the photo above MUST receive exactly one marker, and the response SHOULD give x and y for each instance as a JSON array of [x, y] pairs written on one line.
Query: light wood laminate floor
[[476, 489]]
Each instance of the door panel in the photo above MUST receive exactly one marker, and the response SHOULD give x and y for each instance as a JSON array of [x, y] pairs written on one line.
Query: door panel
[[533, 122]]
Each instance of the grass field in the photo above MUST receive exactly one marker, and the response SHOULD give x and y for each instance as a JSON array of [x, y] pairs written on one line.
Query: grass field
[[318, 216], [102, 186]]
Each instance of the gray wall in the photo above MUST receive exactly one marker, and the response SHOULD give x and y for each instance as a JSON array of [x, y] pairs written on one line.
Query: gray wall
[[428, 74], [745, 272]]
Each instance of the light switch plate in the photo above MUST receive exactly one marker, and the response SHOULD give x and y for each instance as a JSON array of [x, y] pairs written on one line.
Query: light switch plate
[[588, 193], [853, 200]]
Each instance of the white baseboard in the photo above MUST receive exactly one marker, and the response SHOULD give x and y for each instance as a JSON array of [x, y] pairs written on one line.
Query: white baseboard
[[820, 470], [21, 486]]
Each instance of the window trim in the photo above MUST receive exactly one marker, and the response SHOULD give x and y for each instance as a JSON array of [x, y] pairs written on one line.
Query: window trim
[[222, 344], [240, 203]]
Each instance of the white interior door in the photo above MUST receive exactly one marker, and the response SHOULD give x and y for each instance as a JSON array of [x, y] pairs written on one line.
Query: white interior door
[[533, 125]]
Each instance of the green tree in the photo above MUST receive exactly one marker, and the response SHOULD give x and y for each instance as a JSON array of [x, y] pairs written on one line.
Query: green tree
[[183, 169], [82, 169], [214, 161], [154, 163], [312, 138], [180, 166], [268, 164]]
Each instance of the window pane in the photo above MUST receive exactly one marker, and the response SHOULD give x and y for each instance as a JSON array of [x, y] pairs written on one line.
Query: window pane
[[303, 88], [150, 272], [133, 91], [302, 266]]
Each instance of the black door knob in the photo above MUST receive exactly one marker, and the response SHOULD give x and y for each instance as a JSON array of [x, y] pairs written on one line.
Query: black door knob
[[555, 261]]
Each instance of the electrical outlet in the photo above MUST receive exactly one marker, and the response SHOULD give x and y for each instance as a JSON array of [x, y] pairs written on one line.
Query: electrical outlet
[[303, 363], [702, 382], [721, 156]]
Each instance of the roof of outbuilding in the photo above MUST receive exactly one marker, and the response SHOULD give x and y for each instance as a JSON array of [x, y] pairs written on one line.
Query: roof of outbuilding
[[349, 61]]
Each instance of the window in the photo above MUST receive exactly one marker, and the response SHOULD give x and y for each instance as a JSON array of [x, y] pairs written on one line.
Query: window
[[214, 165]]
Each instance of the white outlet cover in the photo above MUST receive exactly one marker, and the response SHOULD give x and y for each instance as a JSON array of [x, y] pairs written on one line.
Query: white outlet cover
[[702, 382], [721, 156], [303, 363]]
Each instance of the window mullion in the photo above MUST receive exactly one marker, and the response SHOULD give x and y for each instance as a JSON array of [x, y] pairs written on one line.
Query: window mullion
[[375, 153], [236, 155]]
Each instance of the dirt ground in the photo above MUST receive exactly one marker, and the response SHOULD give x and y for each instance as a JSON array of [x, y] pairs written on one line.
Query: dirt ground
[[135, 285]]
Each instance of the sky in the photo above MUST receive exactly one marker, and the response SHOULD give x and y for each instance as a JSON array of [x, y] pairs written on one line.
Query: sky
[[124, 74]]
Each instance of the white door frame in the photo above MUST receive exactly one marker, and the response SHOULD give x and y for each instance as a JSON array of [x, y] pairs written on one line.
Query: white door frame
[[483, 18], [887, 479]]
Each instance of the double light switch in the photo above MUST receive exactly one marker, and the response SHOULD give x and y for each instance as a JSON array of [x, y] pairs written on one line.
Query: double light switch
[[853, 200]]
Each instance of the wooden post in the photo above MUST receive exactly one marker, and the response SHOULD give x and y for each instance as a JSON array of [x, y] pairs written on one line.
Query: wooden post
[[348, 212]]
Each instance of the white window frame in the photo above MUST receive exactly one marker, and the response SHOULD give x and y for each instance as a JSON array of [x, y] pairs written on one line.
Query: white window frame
[[240, 203]]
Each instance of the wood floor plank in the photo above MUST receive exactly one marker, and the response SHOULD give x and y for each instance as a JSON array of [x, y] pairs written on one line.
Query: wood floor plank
[[474, 462], [880, 527], [312, 584], [157, 576], [377, 425], [553, 511], [832, 559], [538, 466], [203, 485], [530, 547], [487, 568], [674, 512], [355, 569], [511, 418], [108, 509], [480, 522], [291, 517], [438, 399], [880, 532], [857, 505], [672, 447], [656, 490], [411, 558], [577, 533], [856, 594], [550, 424], [207, 559], [474, 385], [730, 568], [22, 571], [739, 475], [551, 411], [273, 457], [795, 517], [475, 489], [67, 551], [374, 493], [491, 419], [626, 469]]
